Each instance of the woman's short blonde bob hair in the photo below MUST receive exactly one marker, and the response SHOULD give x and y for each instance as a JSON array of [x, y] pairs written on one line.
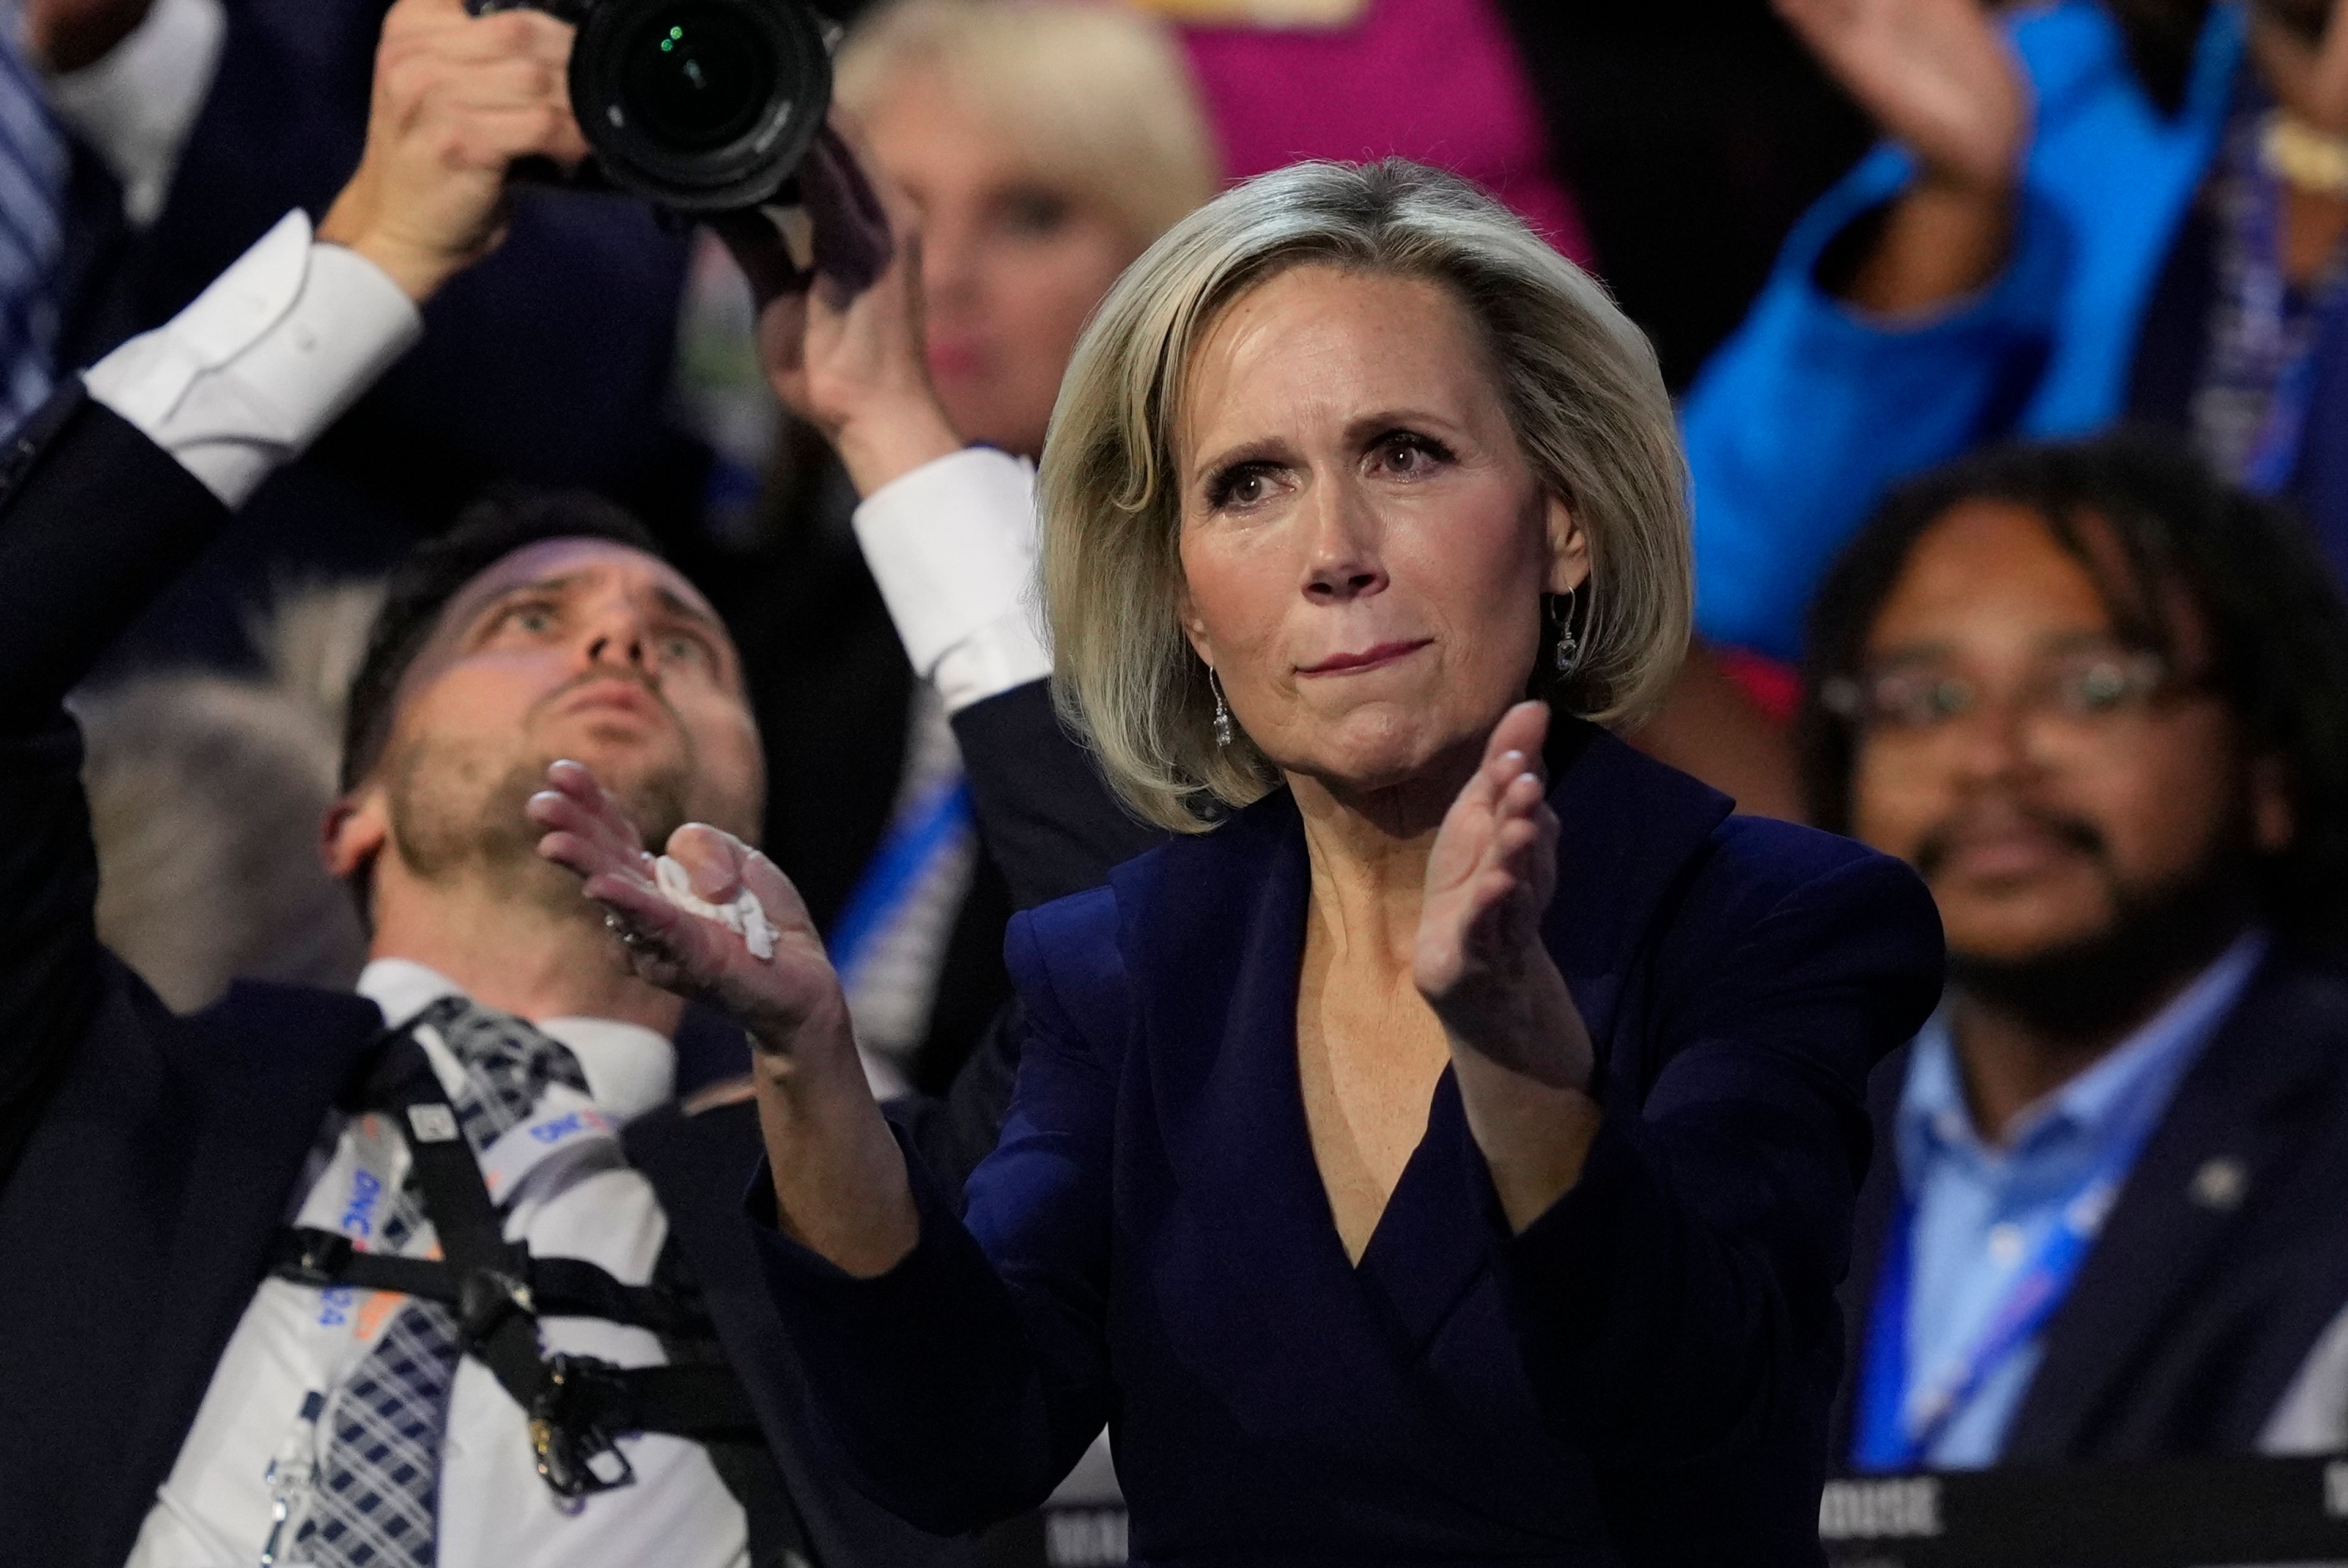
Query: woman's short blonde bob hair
[[1582, 390]]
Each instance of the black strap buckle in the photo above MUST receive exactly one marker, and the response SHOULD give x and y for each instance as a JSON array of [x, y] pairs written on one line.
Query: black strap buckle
[[486, 1298], [579, 1408], [319, 1259]]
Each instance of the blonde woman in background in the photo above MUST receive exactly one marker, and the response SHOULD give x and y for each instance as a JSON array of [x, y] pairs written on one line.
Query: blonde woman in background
[[1043, 147]]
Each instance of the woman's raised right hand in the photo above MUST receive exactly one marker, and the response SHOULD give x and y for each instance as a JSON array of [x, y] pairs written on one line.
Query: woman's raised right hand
[[1936, 74]]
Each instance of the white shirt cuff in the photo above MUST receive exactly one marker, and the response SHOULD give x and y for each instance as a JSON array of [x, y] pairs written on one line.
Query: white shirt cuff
[[244, 379], [137, 104], [953, 545]]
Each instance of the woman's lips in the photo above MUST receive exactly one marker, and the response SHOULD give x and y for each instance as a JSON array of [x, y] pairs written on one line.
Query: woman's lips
[[954, 359], [1368, 659]]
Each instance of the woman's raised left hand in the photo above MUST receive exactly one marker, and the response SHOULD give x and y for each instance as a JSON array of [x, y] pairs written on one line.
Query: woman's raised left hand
[[841, 1186], [1479, 961], [789, 1000]]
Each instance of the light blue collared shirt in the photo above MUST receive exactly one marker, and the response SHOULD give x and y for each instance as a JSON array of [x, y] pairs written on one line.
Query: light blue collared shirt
[[1983, 1212]]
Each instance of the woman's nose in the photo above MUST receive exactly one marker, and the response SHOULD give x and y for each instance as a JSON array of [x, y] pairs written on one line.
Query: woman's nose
[[949, 270], [1344, 563]]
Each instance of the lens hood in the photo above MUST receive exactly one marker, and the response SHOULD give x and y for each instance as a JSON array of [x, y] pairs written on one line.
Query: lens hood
[[701, 105]]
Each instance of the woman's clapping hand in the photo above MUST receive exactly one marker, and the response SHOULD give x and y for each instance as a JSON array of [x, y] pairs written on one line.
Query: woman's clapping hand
[[1480, 962]]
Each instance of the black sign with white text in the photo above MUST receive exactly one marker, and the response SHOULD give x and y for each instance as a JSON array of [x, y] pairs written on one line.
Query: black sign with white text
[[2205, 1513]]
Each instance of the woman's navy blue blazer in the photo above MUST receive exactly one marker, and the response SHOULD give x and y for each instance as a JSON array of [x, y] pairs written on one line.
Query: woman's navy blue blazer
[[1641, 1376]]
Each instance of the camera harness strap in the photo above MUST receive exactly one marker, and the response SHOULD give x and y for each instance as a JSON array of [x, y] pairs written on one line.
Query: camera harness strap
[[577, 1406]]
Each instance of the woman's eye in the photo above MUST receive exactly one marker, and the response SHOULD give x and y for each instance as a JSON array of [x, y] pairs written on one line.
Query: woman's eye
[[1410, 455], [1245, 486], [1033, 213]]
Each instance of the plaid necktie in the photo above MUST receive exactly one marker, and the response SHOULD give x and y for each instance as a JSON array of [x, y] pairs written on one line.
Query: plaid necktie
[[379, 1480], [33, 161]]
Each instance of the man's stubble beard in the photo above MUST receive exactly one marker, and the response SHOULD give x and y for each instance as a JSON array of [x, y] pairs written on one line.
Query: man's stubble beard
[[455, 816]]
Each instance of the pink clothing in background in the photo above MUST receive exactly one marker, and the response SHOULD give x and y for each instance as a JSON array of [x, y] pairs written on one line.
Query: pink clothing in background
[[1435, 80]]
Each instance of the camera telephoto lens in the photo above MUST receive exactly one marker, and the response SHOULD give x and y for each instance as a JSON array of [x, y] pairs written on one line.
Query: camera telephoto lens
[[697, 76], [701, 105]]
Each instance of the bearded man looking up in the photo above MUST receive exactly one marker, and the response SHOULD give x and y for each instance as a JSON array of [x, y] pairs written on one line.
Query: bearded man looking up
[[431, 1275], [2100, 701], [540, 628]]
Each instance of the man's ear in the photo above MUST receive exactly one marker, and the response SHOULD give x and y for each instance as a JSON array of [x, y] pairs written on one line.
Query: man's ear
[[1569, 546], [357, 828]]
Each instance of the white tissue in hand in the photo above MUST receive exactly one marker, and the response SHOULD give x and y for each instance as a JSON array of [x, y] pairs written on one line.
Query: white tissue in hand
[[745, 916]]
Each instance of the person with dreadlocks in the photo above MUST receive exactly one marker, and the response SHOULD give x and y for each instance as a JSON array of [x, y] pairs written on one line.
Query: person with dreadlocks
[[2099, 699]]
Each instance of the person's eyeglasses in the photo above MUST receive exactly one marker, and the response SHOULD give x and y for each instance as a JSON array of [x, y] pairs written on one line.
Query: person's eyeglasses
[[2083, 689]]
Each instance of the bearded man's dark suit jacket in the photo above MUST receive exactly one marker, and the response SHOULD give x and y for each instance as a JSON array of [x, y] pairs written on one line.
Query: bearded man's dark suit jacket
[[1642, 1376], [2221, 1263], [145, 1158]]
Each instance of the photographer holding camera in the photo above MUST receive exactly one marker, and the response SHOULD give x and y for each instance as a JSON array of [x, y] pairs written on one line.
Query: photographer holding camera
[[512, 1321]]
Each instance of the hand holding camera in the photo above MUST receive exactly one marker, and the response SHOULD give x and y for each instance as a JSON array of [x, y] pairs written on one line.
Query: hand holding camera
[[841, 338], [702, 107], [712, 107], [458, 100]]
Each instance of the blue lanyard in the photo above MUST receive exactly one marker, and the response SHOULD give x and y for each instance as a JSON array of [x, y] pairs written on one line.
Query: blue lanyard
[[1899, 1421], [929, 824]]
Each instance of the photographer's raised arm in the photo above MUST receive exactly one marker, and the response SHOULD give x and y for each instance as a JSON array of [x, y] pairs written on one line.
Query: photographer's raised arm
[[948, 530], [115, 487], [244, 378]]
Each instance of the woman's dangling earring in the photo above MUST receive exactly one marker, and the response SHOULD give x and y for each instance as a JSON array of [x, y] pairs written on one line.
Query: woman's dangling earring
[[1569, 647], [1222, 709]]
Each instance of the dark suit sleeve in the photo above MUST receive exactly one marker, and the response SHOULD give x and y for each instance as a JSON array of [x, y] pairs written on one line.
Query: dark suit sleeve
[[1053, 826], [954, 1134], [94, 519], [966, 1383], [1046, 815], [1676, 1307]]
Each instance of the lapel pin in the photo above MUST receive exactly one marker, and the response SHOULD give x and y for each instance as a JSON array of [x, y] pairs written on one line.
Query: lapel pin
[[2219, 1184]]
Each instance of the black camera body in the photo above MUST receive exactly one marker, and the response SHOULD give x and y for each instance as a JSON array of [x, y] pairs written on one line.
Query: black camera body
[[698, 106]]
